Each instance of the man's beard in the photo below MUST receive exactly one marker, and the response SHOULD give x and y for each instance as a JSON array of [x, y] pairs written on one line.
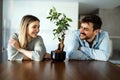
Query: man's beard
[[82, 36]]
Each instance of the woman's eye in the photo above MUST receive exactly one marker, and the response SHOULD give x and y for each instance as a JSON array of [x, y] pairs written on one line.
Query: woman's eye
[[34, 26]]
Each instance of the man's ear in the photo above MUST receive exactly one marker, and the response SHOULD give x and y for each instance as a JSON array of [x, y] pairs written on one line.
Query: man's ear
[[97, 31]]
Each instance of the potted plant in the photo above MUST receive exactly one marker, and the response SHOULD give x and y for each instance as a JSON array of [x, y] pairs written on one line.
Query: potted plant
[[62, 24]]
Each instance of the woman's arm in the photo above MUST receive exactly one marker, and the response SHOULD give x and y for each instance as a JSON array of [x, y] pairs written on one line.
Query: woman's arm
[[15, 44], [13, 54], [37, 53]]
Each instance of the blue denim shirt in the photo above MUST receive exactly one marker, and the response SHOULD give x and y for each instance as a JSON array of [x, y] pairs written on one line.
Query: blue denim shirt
[[80, 49]]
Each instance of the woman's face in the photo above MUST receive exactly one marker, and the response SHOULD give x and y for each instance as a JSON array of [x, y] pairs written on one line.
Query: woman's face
[[33, 29]]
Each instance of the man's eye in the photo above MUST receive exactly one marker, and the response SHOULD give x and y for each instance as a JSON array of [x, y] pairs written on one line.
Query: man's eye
[[81, 27], [86, 29]]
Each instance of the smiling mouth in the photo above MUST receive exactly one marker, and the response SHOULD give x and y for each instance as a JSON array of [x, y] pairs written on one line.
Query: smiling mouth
[[35, 33], [82, 34]]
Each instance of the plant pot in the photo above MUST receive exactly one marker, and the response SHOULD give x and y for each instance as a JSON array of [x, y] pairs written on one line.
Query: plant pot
[[58, 56]]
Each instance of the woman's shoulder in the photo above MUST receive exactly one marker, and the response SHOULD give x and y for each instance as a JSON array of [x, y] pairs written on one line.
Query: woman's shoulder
[[39, 38], [14, 36]]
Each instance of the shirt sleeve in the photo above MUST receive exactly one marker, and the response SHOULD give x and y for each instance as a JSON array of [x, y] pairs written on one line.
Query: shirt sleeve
[[73, 44], [39, 49], [13, 54], [100, 53]]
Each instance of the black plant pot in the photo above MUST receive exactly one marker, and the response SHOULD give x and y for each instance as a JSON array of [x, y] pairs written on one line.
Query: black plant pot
[[58, 56]]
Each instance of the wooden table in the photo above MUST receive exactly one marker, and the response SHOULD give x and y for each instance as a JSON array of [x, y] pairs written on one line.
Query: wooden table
[[67, 70]]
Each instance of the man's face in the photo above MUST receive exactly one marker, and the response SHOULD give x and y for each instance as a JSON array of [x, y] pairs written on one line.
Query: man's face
[[87, 32]]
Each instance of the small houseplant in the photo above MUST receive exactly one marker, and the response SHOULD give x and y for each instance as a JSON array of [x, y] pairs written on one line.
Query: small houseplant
[[62, 24]]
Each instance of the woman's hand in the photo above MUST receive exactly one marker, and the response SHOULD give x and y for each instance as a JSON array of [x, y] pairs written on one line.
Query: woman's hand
[[14, 43], [47, 56], [26, 59]]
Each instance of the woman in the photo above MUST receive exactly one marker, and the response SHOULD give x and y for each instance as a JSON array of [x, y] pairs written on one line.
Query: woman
[[27, 45]]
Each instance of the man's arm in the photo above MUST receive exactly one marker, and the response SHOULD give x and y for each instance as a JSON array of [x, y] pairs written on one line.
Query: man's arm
[[102, 52]]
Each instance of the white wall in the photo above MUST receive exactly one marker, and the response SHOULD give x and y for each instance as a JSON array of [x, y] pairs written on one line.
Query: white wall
[[0, 31], [111, 23], [111, 20], [14, 10]]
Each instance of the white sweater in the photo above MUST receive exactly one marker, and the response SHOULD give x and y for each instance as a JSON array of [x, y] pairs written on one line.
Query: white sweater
[[36, 45]]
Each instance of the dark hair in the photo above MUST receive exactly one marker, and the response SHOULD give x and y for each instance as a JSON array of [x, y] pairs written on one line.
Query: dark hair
[[96, 20]]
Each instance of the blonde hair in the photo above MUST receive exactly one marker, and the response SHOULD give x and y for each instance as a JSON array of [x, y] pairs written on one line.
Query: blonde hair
[[22, 36]]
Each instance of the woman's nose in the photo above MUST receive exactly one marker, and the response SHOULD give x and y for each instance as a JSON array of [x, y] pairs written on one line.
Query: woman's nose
[[37, 29]]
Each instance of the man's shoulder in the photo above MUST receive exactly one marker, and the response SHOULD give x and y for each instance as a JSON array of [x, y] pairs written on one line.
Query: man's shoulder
[[76, 31], [103, 32]]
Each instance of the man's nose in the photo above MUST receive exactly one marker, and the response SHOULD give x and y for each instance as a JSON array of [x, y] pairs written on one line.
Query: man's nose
[[81, 30]]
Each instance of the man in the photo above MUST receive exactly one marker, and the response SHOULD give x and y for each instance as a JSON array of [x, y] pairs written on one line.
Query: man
[[89, 42]]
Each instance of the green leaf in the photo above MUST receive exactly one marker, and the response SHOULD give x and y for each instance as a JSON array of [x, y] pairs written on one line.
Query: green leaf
[[54, 29], [59, 38], [48, 17], [69, 19], [61, 22]]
